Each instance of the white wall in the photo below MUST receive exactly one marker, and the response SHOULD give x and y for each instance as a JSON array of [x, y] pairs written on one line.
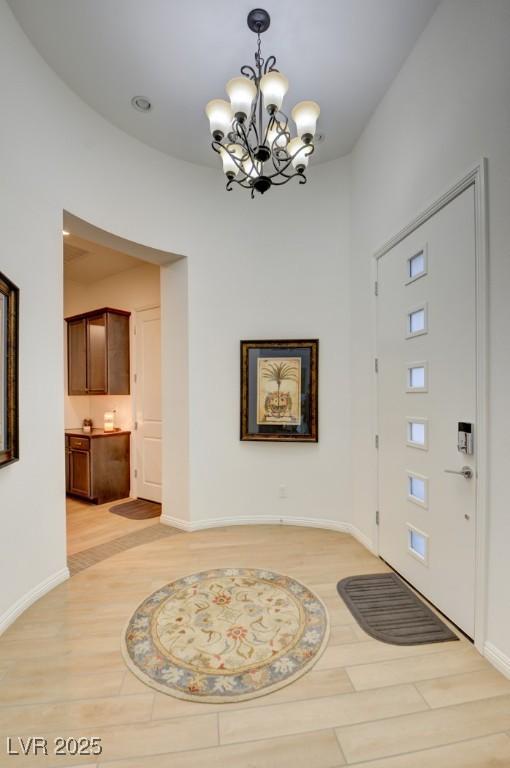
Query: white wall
[[275, 266], [448, 107], [286, 278]]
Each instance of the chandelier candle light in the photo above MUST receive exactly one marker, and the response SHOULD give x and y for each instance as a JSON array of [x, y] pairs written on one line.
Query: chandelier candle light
[[251, 134]]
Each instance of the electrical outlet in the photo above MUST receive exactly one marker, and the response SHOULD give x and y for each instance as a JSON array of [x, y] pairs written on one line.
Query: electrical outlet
[[282, 492]]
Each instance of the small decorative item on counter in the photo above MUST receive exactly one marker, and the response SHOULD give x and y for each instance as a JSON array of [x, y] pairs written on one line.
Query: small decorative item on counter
[[87, 426], [109, 421]]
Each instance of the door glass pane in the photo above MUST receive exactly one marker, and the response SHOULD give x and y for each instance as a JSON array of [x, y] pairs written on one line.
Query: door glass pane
[[418, 543], [417, 377], [417, 264], [417, 321], [417, 488], [417, 432]]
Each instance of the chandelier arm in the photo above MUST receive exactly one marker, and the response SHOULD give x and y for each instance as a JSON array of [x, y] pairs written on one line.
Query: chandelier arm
[[242, 139], [289, 161], [258, 103], [277, 161], [242, 135], [239, 182], [286, 123], [288, 175], [218, 146], [245, 136], [237, 130], [301, 176], [248, 71], [269, 66], [253, 126], [279, 155], [269, 125]]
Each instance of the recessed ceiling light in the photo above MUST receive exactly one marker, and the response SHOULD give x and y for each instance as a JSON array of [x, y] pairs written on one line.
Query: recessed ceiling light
[[65, 232], [141, 103]]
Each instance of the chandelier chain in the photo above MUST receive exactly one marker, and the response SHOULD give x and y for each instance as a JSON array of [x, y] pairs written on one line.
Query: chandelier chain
[[259, 61]]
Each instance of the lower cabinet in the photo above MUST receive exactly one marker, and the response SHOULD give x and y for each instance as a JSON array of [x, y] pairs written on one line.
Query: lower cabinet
[[97, 467], [68, 479], [79, 473]]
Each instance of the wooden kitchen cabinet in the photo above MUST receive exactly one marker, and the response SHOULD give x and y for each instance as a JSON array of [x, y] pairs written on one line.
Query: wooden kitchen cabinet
[[98, 353], [97, 465], [68, 478]]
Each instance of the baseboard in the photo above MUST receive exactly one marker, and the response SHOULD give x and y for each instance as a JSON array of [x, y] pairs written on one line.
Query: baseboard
[[307, 522], [12, 613], [176, 522], [363, 539], [497, 658]]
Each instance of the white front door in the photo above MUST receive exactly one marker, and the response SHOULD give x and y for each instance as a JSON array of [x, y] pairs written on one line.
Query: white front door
[[148, 404], [426, 333]]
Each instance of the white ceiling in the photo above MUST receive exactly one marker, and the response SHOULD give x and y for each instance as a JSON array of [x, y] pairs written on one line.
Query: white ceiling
[[180, 53], [86, 262]]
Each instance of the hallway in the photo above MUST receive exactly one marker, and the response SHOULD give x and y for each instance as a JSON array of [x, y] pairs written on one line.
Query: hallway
[[62, 674]]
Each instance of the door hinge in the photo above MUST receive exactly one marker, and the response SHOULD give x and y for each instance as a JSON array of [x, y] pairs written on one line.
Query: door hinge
[[136, 473], [377, 517], [135, 425], [376, 288], [377, 441], [376, 364], [134, 378]]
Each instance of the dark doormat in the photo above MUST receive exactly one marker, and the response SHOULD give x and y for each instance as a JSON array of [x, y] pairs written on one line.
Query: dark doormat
[[388, 610], [137, 509]]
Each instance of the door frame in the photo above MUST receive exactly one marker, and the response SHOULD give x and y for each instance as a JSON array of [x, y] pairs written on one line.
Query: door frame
[[476, 177], [135, 433]]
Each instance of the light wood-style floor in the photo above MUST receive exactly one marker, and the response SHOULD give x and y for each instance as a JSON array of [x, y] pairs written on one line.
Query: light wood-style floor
[[90, 524], [364, 703]]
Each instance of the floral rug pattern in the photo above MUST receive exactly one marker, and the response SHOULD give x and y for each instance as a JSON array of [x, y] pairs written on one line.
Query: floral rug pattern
[[226, 635]]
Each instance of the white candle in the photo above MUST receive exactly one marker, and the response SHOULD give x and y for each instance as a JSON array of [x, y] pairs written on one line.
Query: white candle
[[109, 419]]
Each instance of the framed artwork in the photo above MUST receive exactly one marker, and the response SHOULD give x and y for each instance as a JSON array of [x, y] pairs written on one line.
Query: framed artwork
[[9, 300], [279, 390]]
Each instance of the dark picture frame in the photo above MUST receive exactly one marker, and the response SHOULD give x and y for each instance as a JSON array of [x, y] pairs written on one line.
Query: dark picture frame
[[9, 354], [279, 390]]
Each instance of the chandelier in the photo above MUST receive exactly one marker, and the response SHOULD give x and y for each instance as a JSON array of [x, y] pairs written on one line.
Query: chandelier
[[251, 134]]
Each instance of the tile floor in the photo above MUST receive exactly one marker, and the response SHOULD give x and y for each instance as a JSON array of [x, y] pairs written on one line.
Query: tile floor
[[365, 703]]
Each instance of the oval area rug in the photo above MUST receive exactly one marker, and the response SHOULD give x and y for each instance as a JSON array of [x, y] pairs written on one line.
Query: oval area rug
[[225, 635]]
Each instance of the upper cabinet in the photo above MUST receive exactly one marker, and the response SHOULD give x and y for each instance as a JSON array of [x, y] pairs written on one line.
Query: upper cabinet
[[98, 353]]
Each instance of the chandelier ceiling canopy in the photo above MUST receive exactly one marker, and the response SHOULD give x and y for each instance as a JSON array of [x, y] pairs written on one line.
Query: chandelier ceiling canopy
[[251, 133]]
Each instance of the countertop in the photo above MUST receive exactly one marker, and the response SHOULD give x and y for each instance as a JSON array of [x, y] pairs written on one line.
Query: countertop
[[78, 432]]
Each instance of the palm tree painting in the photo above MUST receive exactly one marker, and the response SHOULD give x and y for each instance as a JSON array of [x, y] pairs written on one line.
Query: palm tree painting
[[279, 390]]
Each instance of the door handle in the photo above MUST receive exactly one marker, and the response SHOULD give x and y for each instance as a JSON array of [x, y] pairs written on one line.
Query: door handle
[[466, 472]]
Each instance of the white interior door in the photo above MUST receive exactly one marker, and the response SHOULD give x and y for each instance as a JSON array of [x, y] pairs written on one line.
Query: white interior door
[[426, 333], [148, 404]]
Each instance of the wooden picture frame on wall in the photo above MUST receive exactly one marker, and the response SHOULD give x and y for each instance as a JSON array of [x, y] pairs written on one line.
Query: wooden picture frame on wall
[[279, 390], [9, 346]]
